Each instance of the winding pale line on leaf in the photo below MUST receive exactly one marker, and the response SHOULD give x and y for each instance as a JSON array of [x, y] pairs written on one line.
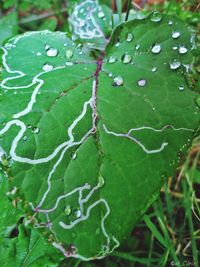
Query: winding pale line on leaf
[[35, 80], [67, 144], [160, 130], [70, 144], [77, 189], [127, 135], [107, 250], [92, 103], [77, 21]]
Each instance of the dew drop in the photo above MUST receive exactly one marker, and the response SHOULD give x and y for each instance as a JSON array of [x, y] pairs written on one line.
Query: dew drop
[[181, 87], [156, 49], [174, 64], [47, 67], [175, 47], [175, 34], [82, 23], [118, 81], [74, 156], [112, 59], [142, 82], [68, 210], [129, 37], [154, 69], [47, 47], [156, 17], [101, 181], [126, 59], [39, 54], [198, 101], [77, 213], [101, 14], [69, 53], [25, 138], [35, 130], [69, 63], [182, 50], [170, 23], [137, 46], [2, 154], [52, 52]]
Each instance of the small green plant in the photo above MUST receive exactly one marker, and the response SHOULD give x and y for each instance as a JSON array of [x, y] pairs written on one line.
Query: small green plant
[[93, 123]]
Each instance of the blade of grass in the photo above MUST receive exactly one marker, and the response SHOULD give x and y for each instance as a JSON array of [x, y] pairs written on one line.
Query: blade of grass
[[131, 258], [158, 209], [128, 9], [150, 251], [188, 208], [119, 9], [155, 231]]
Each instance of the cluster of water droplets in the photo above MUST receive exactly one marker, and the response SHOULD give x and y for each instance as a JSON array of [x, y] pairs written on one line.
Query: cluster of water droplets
[[156, 48], [52, 52]]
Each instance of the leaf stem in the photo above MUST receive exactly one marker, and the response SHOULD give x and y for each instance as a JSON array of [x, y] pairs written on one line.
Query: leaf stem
[[40, 17], [128, 9]]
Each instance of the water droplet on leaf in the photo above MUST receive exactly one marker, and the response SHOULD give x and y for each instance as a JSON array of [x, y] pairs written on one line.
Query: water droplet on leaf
[[74, 156], [101, 181], [174, 64], [35, 130], [52, 52], [198, 101], [69, 53], [156, 17], [137, 46], [156, 49], [47, 67], [47, 47], [129, 37], [68, 210], [118, 81], [181, 87], [126, 58], [175, 34], [182, 50], [142, 82], [77, 213], [101, 14], [25, 138], [112, 59], [154, 69]]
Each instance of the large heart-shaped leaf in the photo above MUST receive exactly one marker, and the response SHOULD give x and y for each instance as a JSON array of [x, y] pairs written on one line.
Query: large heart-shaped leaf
[[89, 142]]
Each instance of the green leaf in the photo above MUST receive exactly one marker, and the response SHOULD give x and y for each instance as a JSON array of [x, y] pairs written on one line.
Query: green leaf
[[49, 24], [89, 142], [8, 27], [91, 23], [9, 214], [29, 250]]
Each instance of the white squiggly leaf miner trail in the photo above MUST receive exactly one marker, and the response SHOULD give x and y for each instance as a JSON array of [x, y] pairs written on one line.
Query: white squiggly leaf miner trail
[[37, 81], [86, 28], [62, 147], [127, 135]]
